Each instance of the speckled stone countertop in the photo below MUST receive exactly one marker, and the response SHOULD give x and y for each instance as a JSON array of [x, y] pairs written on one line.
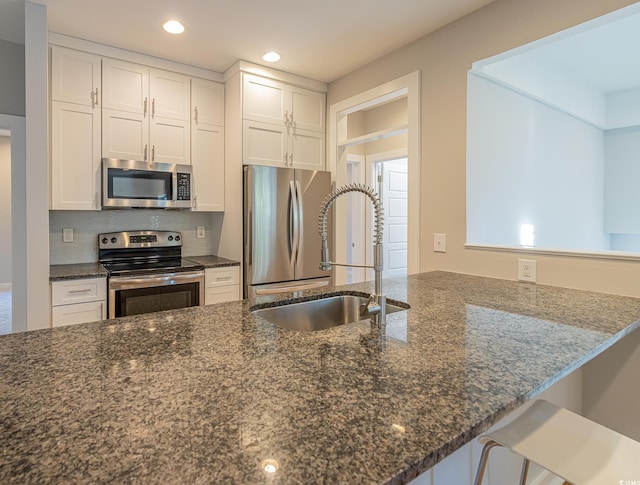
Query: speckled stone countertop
[[213, 261], [206, 394], [59, 272]]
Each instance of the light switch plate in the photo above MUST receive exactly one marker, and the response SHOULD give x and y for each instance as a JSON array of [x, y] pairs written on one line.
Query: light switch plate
[[200, 232], [67, 235], [440, 243]]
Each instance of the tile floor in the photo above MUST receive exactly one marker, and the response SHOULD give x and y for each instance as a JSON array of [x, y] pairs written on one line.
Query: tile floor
[[5, 312]]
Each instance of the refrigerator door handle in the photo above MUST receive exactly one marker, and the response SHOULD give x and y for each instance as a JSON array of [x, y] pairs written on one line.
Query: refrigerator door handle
[[289, 289], [294, 229], [300, 222]]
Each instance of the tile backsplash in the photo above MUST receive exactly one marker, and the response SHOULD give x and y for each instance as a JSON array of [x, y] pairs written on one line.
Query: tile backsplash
[[88, 224]]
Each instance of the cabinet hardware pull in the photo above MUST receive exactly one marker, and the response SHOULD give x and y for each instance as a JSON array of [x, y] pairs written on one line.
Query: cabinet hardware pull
[[195, 110], [86, 290], [153, 153], [195, 201], [226, 278], [145, 110], [153, 107], [145, 152]]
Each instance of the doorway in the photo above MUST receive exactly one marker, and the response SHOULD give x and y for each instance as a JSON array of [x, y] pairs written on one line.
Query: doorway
[[5, 228]]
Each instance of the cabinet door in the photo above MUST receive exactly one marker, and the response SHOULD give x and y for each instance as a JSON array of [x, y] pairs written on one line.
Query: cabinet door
[[78, 313], [307, 109], [170, 141], [75, 76], [75, 156], [207, 100], [125, 135], [307, 149], [207, 159], [125, 86], [264, 100], [264, 144], [170, 94]]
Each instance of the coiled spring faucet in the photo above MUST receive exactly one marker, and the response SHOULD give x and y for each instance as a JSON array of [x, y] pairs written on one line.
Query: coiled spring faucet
[[377, 302]]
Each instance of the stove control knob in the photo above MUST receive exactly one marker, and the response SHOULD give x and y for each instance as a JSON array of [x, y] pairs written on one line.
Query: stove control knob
[[177, 238], [105, 240], [170, 238], [114, 240]]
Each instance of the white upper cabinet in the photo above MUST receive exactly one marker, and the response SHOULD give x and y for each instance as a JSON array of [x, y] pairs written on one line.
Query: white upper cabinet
[[207, 145], [283, 125], [146, 113], [75, 76], [125, 86], [207, 100], [170, 95]]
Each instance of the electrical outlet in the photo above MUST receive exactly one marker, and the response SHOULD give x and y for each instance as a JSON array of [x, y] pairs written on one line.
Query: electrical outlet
[[527, 270], [67, 235], [200, 232], [440, 243]]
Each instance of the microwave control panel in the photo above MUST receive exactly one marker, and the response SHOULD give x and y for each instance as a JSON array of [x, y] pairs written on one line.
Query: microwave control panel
[[184, 186]]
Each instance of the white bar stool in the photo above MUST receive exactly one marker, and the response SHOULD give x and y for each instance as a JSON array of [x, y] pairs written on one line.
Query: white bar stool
[[566, 444]]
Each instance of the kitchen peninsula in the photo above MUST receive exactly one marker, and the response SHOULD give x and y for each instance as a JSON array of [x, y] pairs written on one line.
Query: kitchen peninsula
[[210, 394]]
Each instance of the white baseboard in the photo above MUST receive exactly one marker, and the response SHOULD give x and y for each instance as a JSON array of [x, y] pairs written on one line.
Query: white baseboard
[[5, 286]]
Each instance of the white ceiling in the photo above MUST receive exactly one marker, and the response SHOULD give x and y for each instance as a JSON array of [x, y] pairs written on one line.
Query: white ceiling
[[321, 39]]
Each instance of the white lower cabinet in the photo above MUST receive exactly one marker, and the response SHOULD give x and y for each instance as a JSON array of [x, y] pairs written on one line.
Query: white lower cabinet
[[78, 301], [221, 284]]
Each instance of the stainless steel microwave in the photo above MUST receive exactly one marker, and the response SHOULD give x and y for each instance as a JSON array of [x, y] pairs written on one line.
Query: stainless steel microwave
[[132, 183]]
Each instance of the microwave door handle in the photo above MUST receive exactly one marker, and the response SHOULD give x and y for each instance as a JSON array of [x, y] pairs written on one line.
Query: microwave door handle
[[174, 186]]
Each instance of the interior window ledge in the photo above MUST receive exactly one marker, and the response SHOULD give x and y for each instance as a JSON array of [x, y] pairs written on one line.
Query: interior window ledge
[[611, 255]]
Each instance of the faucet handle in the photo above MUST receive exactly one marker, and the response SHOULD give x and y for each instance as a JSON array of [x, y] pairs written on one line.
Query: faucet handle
[[371, 307]]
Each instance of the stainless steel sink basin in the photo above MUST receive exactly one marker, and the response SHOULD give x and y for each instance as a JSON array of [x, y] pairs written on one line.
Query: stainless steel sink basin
[[312, 315]]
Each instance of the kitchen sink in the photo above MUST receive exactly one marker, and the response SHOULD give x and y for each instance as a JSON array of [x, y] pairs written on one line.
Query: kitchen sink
[[313, 315]]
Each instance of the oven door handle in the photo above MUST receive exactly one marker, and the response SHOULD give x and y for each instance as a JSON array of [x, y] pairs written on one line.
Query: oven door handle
[[133, 282]]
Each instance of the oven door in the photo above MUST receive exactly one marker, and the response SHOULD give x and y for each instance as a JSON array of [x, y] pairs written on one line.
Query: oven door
[[133, 295]]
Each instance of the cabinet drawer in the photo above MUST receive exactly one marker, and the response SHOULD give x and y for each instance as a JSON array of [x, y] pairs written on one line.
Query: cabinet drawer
[[220, 294], [221, 276], [78, 313], [78, 291]]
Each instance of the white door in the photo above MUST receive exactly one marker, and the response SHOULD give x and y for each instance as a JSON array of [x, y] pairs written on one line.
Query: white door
[[307, 109], [264, 100], [75, 156], [395, 203], [356, 217], [125, 86], [306, 149], [170, 141], [264, 144], [170, 94], [125, 135], [75, 76], [207, 100], [207, 159]]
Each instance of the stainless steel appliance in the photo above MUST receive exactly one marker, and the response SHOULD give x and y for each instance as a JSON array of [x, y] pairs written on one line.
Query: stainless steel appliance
[[281, 241], [132, 183], [146, 273]]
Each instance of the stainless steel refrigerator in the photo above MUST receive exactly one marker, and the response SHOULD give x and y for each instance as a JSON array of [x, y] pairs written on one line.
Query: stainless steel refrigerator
[[281, 241]]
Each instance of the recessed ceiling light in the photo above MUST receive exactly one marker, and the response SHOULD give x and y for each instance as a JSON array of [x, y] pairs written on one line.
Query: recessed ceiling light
[[271, 57], [173, 27]]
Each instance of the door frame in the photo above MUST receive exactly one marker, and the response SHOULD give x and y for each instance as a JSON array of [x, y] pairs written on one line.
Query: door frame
[[373, 162], [407, 86]]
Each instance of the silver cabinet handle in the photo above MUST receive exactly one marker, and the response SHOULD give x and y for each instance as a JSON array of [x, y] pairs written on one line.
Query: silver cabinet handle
[[153, 107], [225, 278], [195, 202], [145, 108], [286, 158], [145, 152], [195, 114], [95, 97], [73, 292], [153, 153]]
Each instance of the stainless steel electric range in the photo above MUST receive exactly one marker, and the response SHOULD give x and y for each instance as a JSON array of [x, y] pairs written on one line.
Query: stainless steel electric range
[[147, 273]]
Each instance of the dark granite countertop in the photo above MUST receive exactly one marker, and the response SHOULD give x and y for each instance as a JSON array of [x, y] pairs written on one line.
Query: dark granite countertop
[[59, 272], [213, 261], [207, 394]]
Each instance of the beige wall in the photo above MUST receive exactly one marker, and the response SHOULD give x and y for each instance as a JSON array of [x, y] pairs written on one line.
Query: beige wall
[[443, 59], [11, 78]]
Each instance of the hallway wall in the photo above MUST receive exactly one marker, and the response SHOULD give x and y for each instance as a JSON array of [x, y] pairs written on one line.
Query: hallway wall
[[5, 212]]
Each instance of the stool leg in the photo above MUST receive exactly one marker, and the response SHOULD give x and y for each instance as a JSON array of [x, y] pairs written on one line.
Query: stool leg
[[484, 457], [525, 472]]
